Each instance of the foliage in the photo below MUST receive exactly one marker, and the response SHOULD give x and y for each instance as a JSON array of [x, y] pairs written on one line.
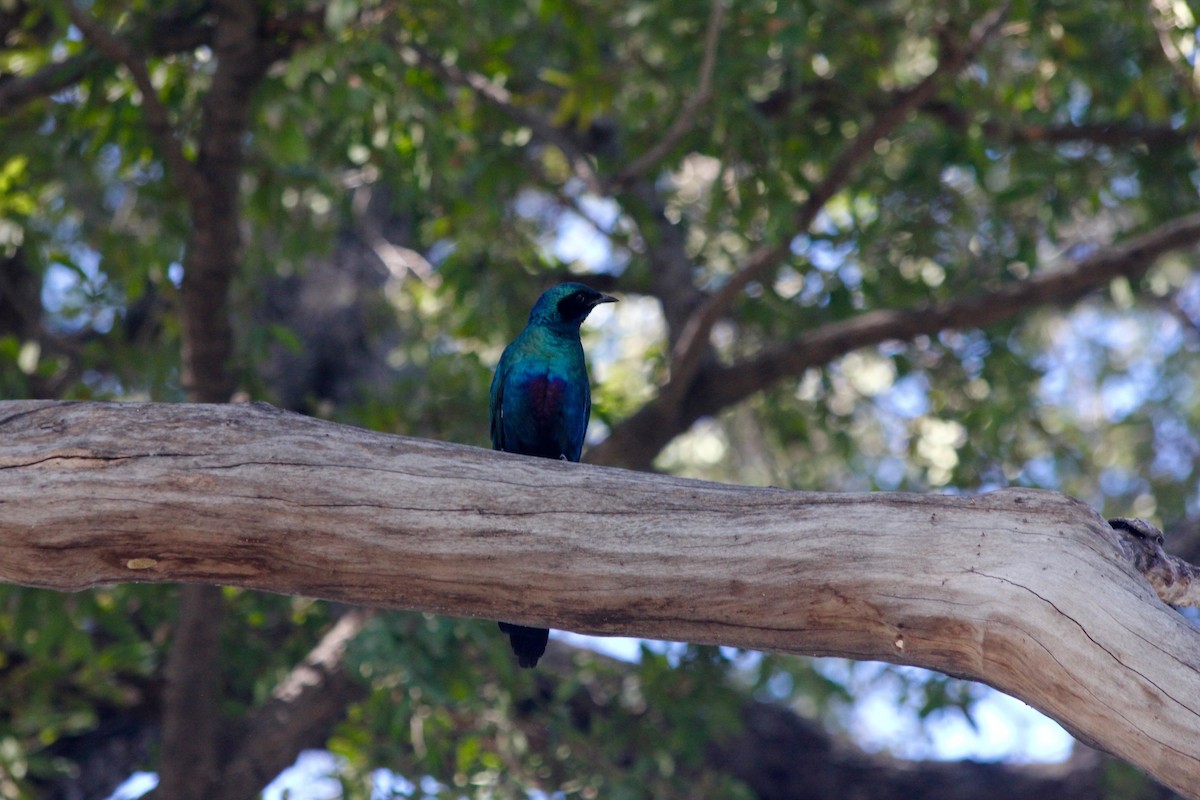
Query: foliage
[[1071, 127]]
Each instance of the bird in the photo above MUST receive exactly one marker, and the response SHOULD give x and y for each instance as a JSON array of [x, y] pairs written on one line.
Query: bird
[[541, 400]]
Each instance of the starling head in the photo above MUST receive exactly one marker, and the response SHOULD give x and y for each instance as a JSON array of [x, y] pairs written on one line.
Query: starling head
[[567, 304]]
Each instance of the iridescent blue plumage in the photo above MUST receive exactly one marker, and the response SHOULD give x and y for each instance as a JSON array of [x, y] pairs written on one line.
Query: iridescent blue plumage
[[541, 401]]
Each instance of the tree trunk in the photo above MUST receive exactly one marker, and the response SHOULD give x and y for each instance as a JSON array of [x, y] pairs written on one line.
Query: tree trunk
[[1028, 591]]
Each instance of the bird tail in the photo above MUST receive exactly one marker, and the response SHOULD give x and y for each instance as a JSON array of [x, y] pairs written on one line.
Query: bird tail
[[528, 644]]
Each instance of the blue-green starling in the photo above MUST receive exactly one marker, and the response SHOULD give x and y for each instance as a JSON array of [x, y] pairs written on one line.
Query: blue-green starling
[[541, 401]]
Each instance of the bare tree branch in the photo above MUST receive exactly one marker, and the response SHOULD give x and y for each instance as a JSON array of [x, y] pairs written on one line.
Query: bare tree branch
[[398, 260], [692, 345], [636, 440], [685, 120], [157, 118], [1028, 591], [302, 710]]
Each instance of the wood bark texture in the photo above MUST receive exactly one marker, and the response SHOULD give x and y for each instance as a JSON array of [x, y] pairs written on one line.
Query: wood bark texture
[[1028, 591]]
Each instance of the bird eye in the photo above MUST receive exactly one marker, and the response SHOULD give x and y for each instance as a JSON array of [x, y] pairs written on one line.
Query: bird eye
[[574, 305]]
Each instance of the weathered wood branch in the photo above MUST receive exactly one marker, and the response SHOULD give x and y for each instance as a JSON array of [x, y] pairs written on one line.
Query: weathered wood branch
[[1030, 592]]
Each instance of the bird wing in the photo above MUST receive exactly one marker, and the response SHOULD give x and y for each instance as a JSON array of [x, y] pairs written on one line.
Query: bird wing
[[496, 403], [581, 431]]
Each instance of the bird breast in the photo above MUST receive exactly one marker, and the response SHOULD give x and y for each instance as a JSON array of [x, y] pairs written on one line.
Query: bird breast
[[547, 396]]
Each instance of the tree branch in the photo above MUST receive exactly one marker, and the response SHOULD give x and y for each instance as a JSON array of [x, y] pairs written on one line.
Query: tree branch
[[766, 755], [685, 120], [167, 34], [1174, 580], [157, 119], [188, 762], [782, 755], [1130, 259], [636, 440], [665, 243], [499, 97], [191, 696], [692, 345], [1164, 18], [15, 92], [1108, 134], [671, 275], [398, 260], [302, 710], [214, 247], [1030, 592]]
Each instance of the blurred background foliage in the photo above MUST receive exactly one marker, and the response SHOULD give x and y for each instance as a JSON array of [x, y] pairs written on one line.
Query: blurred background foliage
[[397, 226]]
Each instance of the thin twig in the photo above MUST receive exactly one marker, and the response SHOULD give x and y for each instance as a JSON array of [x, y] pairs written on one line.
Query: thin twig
[[1163, 16], [157, 118], [693, 341], [686, 119], [499, 97]]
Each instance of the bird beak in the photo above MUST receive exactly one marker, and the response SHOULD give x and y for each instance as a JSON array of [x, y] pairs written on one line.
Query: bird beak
[[607, 298]]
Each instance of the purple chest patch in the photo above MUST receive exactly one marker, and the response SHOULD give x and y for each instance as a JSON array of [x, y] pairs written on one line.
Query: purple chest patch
[[546, 397]]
